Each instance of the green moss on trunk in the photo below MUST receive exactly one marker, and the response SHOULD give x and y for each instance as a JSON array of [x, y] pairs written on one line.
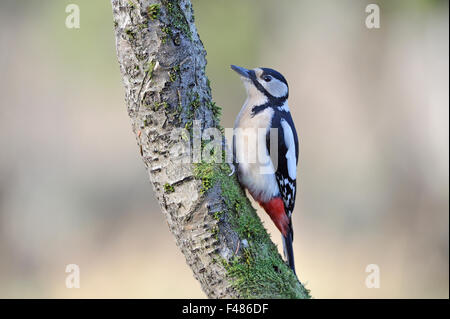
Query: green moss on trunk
[[258, 270]]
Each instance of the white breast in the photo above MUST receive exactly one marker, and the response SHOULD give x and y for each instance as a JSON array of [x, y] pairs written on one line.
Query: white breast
[[255, 169]]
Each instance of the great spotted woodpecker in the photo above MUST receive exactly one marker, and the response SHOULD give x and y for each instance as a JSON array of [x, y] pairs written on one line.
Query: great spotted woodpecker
[[266, 112]]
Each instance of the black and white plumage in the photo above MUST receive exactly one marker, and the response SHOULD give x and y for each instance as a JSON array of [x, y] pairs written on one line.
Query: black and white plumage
[[265, 120]]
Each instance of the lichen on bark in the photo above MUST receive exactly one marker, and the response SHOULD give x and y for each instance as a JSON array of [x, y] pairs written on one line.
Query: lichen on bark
[[162, 62]]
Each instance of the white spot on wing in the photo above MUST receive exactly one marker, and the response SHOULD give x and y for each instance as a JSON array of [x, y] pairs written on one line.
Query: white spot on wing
[[290, 144]]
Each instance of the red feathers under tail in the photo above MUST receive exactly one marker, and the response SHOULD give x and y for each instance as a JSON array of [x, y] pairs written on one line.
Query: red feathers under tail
[[275, 209]]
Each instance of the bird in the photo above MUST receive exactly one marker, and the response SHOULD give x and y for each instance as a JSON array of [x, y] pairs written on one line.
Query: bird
[[264, 128]]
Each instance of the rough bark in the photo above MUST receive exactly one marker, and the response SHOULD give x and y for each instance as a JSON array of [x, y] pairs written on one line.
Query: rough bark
[[162, 62]]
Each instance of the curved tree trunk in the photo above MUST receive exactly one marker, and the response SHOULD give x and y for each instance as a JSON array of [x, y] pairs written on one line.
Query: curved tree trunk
[[162, 62]]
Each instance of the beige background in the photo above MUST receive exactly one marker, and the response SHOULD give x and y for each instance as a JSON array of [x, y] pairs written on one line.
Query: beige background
[[371, 108]]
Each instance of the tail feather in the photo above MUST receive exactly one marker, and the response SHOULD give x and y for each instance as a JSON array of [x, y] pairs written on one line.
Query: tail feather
[[288, 249]]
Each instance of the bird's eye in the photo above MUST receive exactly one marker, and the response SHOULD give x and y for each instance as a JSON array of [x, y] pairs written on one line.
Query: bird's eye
[[267, 78]]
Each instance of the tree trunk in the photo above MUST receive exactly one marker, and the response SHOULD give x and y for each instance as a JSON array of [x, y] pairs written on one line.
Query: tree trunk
[[162, 62]]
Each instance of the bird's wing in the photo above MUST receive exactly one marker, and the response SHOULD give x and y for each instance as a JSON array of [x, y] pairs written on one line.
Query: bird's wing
[[285, 161], [286, 173]]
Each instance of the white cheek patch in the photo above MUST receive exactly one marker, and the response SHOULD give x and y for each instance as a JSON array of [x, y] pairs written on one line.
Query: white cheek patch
[[290, 144], [275, 87]]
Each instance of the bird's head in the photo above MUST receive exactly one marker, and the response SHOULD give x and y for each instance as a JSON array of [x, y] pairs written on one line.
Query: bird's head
[[264, 83]]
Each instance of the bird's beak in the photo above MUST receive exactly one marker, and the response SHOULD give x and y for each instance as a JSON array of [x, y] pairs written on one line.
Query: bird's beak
[[241, 71]]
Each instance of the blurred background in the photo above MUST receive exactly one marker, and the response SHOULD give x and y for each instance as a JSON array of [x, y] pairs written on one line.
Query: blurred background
[[371, 108]]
